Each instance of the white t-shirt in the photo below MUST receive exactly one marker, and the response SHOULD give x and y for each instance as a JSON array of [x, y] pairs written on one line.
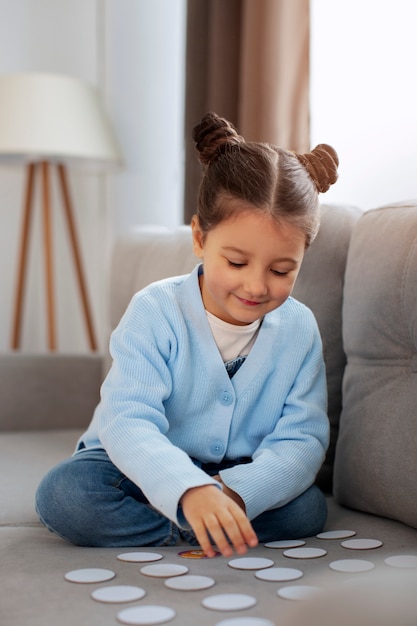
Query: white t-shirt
[[233, 340]]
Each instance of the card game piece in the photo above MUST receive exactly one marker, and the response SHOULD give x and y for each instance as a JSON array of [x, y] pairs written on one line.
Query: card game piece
[[402, 560], [196, 554], [250, 563], [336, 534], [298, 592], [351, 565], [245, 621], [164, 570], [89, 575], [146, 615], [304, 553], [279, 574], [229, 602], [139, 557], [285, 543], [362, 544], [118, 593], [189, 582]]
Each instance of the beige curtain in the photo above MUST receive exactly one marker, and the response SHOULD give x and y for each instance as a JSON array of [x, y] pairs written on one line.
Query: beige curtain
[[247, 60]]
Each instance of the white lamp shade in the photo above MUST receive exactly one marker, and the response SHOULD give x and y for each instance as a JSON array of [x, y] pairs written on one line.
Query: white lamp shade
[[55, 118]]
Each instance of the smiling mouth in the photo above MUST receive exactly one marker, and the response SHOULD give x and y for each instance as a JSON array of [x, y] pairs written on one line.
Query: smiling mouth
[[248, 302]]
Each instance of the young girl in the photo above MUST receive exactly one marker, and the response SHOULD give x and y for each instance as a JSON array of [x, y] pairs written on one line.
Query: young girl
[[212, 422]]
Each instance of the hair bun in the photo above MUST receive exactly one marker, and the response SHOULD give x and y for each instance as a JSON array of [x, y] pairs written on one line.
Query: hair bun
[[212, 135], [321, 164]]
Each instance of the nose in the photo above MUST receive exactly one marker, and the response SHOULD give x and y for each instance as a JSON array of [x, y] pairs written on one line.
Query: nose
[[255, 285]]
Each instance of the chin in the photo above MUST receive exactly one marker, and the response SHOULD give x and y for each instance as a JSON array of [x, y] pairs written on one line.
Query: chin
[[245, 319]]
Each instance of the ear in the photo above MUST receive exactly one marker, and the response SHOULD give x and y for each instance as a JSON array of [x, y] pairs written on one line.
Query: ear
[[197, 237]]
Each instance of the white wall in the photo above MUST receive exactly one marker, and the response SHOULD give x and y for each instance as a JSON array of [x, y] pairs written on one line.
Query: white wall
[[132, 50], [145, 61], [363, 96]]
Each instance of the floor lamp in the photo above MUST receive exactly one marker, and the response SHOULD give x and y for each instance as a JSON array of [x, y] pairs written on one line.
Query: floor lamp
[[47, 122]]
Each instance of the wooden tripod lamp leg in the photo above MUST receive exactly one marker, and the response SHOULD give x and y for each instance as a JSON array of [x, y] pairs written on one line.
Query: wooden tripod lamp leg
[[23, 256], [77, 256], [47, 240]]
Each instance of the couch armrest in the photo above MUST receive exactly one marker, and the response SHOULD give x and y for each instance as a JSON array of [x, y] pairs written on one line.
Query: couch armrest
[[48, 391]]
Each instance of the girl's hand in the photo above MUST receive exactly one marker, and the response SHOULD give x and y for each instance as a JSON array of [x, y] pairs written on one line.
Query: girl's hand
[[210, 511]]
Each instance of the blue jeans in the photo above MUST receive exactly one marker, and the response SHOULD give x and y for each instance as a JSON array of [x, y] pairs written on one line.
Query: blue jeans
[[89, 502]]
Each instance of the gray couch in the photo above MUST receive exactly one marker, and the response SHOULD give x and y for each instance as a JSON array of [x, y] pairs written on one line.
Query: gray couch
[[360, 279]]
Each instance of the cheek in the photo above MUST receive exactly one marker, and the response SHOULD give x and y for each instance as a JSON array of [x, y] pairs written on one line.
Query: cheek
[[219, 283], [213, 280], [218, 274], [283, 291]]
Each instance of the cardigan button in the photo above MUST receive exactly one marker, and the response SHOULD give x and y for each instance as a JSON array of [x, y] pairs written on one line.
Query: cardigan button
[[217, 449], [226, 398]]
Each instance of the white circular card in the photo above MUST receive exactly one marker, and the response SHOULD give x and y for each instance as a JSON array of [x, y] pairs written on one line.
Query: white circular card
[[190, 583], [285, 543], [279, 574], [229, 602], [297, 592], [402, 560], [336, 534], [362, 544], [139, 557], [89, 575], [250, 563], [351, 565], [164, 570], [145, 615], [305, 553], [118, 593], [245, 621]]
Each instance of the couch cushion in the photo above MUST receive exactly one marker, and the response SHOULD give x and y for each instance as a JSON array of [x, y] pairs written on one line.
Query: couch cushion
[[48, 390], [320, 286], [376, 451], [140, 257]]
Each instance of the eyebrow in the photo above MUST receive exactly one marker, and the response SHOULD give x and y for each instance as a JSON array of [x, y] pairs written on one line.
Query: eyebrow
[[278, 260]]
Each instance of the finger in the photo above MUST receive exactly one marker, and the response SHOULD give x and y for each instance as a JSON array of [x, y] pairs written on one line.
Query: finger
[[226, 532], [240, 531], [215, 527], [220, 539], [203, 539], [236, 538], [248, 533]]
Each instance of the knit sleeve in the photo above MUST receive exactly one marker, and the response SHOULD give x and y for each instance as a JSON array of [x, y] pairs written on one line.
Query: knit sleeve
[[131, 421]]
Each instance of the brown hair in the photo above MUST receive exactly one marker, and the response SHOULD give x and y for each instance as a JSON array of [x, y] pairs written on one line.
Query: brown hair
[[276, 181]]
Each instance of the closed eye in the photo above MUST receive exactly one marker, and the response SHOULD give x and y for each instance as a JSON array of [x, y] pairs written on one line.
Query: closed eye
[[232, 264], [277, 273]]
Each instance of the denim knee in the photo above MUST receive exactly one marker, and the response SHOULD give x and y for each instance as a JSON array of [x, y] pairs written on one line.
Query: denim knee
[[57, 503], [305, 516], [88, 501]]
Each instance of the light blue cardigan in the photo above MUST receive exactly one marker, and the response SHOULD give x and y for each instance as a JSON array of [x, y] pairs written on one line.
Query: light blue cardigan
[[168, 397]]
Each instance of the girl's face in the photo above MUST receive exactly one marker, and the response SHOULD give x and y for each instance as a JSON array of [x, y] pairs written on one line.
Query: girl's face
[[250, 265]]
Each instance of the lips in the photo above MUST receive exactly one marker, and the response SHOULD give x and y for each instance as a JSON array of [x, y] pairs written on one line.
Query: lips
[[248, 302]]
